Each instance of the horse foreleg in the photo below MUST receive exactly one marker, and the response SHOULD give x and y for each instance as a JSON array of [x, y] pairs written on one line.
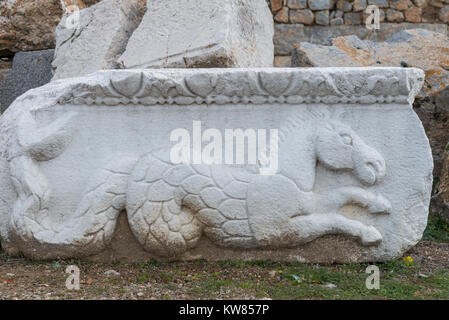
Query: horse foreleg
[[317, 225], [332, 200]]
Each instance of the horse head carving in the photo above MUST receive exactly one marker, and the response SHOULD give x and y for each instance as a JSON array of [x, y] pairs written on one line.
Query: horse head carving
[[337, 146]]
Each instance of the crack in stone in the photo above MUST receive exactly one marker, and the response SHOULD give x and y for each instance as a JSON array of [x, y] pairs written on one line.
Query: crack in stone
[[132, 15]]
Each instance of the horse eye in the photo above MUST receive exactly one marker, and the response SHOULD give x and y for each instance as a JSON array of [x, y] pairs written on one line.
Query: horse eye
[[346, 138]]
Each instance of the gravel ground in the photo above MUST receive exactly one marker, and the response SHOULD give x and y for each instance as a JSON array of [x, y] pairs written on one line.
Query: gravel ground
[[23, 279]]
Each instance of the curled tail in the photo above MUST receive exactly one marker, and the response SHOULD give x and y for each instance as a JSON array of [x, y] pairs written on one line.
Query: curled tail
[[91, 227]]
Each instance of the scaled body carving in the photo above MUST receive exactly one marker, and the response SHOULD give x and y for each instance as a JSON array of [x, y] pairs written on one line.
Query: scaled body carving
[[171, 207]]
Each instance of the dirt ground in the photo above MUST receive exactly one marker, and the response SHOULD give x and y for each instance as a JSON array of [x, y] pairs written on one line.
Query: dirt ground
[[427, 277]]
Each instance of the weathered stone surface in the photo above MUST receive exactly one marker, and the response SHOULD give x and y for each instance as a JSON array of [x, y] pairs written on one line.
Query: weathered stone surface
[[345, 6], [205, 33], [434, 112], [27, 25], [416, 48], [444, 14], [5, 88], [297, 4], [354, 165], [29, 70], [394, 15], [440, 200], [99, 40], [282, 61], [286, 36], [316, 5], [336, 21], [276, 5], [282, 15], [400, 4], [353, 18], [420, 3], [379, 3], [322, 18], [436, 3], [359, 5], [302, 16], [413, 15]]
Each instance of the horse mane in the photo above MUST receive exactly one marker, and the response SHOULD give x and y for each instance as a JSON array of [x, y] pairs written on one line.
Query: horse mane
[[302, 119]]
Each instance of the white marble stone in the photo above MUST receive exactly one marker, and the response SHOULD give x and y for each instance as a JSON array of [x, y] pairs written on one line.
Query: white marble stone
[[353, 160], [98, 40], [202, 33]]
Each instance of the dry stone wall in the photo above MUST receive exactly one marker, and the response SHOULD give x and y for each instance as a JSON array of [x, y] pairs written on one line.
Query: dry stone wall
[[351, 12]]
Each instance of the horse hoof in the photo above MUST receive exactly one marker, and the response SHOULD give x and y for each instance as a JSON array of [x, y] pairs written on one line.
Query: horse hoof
[[371, 237], [380, 205]]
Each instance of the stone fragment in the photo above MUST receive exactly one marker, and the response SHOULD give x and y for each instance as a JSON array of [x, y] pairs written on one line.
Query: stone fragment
[[99, 40], [297, 4], [336, 21], [394, 15], [316, 5], [359, 5], [417, 48], [287, 35], [5, 89], [400, 4], [420, 3], [440, 200], [206, 33], [322, 17], [276, 5], [379, 3], [444, 14], [353, 18], [282, 61], [434, 112], [436, 3], [413, 14], [344, 5], [352, 183], [302, 16], [282, 15], [338, 14]]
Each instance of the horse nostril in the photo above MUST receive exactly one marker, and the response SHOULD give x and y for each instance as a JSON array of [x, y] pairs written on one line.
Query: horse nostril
[[377, 166]]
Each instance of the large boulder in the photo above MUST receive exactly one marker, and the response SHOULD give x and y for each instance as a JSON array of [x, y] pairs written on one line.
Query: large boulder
[[99, 40], [202, 33], [27, 25]]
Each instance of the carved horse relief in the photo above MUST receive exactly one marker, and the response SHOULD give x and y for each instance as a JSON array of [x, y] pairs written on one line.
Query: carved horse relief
[[170, 207]]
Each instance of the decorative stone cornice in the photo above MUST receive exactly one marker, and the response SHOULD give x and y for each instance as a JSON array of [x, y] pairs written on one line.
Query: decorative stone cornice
[[255, 86]]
